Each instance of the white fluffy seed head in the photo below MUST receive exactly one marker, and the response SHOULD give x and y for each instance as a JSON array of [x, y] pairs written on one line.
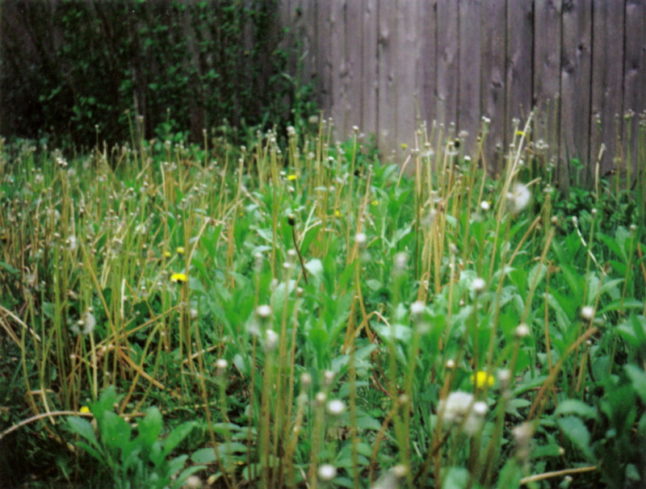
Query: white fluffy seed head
[[484, 205], [478, 285], [417, 308], [587, 313], [327, 472], [361, 238], [522, 330], [263, 311], [336, 407], [271, 340]]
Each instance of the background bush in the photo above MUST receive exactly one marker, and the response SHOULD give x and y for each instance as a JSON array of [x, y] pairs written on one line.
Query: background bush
[[85, 69]]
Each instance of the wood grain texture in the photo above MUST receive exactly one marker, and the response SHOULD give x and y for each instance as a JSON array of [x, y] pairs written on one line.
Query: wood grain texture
[[492, 79], [468, 113], [383, 64], [634, 76], [607, 80], [546, 74], [369, 86], [575, 85], [519, 63]]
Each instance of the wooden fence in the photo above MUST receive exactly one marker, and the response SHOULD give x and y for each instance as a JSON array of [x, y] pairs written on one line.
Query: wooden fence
[[387, 65]]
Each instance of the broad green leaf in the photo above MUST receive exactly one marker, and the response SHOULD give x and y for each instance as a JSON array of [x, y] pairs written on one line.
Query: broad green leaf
[[456, 478], [638, 378], [574, 406], [150, 427], [574, 429], [82, 427], [176, 436], [115, 431]]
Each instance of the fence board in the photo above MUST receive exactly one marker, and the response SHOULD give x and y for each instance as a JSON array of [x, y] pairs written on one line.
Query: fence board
[[354, 69], [405, 68], [575, 82], [387, 98], [370, 69], [519, 67], [469, 69], [547, 66], [447, 61], [339, 102], [492, 77], [634, 70], [607, 79], [427, 68], [324, 60]]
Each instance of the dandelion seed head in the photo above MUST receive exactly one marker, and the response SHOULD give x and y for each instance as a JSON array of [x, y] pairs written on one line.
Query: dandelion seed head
[[484, 205], [263, 311], [478, 285], [327, 472], [587, 313], [271, 340], [522, 331], [336, 407], [518, 198]]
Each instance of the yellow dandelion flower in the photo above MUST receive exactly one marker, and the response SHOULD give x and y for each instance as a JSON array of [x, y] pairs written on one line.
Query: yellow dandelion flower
[[404, 146], [337, 213], [180, 250], [520, 133], [292, 177], [374, 203], [167, 254], [84, 410], [179, 277], [482, 379]]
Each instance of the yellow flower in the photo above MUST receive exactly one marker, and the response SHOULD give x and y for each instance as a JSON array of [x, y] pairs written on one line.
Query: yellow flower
[[520, 133], [374, 203], [404, 146], [482, 379], [291, 178], [179, 277], [180, 250], [167, 254], [84, 410], [337, 213]]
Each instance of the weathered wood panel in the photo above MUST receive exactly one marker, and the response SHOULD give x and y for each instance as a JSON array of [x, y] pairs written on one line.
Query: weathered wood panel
[[607, 76], [468, 120], [369, 82], [634, 101], [546, 73], [446, 105], [518, 83], [492, 77], [575, 86]]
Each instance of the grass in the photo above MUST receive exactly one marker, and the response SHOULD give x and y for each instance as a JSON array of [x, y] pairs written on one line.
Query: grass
[[300, 315]]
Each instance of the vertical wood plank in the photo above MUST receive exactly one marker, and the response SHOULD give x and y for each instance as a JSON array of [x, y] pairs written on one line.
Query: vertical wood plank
[[519, 67], [492, 79], [427, 68], [575, 86], [606, 86], [387, 77], [370, 70], [447, 61], [338, 66], [324, 61], [405, 69], [469, 70], [547, 66], [354, 64], [634, 73], [304, 19]]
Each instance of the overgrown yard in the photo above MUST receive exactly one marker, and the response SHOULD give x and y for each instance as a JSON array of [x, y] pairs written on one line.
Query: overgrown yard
[[299, 315]]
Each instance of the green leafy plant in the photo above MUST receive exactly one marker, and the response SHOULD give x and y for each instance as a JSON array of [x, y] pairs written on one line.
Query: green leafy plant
[[139, 457]]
